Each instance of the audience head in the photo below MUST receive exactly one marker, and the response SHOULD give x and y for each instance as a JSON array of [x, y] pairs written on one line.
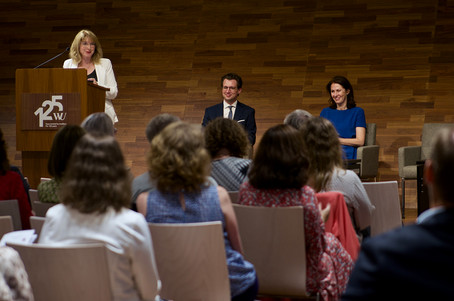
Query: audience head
[[97, 177], [63, 144], [442, 166], [232, 76], [178, 159], [4, 162], [225, 136], [297, 118], [323, 148], [85, 35], [280, 161], [347, 86], [158, 123], [99, 124]]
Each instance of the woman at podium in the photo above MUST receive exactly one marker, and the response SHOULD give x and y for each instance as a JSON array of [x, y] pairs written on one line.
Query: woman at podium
[[86, 52]]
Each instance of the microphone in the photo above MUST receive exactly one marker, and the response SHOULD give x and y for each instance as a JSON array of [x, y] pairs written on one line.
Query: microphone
[[51, 59]]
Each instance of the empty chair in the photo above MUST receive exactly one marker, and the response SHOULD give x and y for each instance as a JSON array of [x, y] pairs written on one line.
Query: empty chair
[[385, 197], [78, 272], [368, 154], [410, 156], [274, 242], [6, 225], [191, 261], [11, 208], [37, 222], [41, 208]]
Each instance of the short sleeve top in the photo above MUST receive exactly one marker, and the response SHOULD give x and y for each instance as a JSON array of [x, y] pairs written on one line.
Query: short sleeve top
[[346, 122]]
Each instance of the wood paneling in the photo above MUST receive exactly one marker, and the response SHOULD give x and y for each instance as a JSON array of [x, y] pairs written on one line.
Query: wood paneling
[[169, 56]]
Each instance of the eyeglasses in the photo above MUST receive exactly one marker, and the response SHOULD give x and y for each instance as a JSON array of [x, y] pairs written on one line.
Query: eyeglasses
[[229, 88], [86, 44]]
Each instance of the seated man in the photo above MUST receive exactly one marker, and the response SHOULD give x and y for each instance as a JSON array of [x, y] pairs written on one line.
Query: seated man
[[231, 108]]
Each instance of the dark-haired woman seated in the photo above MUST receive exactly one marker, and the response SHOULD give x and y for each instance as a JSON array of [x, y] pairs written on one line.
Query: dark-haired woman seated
[[278, 178]]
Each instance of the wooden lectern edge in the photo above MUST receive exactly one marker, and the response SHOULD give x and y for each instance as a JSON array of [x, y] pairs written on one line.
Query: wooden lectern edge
[[98, 86]]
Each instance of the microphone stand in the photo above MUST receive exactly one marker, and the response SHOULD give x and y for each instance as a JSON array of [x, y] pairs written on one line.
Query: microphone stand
[[51, 59]]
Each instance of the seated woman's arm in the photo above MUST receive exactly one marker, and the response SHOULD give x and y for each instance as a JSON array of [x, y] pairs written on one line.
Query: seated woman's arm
[[356, 142], [230, 219]]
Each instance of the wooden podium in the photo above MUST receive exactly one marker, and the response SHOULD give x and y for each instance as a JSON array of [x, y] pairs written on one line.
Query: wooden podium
[[46, 100]]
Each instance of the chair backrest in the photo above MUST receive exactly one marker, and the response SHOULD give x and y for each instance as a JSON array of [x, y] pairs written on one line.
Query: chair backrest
[[77, 272], [385, 197], [41, 208], [6, 225], [429, 131], [37, 222], [11, 208], [191, 261], [33, 193], [234, 196], [371, 134], [274, 242]]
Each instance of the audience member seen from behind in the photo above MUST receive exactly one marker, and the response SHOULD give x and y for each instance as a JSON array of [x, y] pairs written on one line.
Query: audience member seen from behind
[[277, 179], [327, 173], [348, 119], [11, 186], [86, 52], [142, 183], [297, 118], [62, 146], [414, 262], [227, 144], [98, 124], [95, 194], [180, 164]]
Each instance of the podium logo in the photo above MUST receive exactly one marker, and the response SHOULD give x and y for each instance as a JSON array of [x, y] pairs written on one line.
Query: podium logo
[[48, 114]]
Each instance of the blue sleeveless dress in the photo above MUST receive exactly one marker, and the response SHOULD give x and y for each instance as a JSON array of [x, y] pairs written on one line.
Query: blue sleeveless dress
[[201, 207]]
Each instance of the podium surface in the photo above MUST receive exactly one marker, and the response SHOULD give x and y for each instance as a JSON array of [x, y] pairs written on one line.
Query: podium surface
[[46, 100]]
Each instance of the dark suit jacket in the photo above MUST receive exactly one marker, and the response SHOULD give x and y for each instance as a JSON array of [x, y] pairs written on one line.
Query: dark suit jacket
[[245, 115], [412, 263]]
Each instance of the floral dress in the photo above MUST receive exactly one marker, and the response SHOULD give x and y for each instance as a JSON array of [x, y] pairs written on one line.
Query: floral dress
[[328, 264]]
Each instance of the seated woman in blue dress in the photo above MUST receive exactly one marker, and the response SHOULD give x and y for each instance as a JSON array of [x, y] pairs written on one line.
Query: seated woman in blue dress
[[180, 165], [348, 119]]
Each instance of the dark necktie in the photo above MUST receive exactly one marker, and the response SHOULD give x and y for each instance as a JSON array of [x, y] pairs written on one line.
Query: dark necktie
[[230, 112]]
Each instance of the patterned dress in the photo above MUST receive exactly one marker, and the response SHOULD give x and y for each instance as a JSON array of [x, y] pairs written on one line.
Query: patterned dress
[[14, 284], [328, 264]]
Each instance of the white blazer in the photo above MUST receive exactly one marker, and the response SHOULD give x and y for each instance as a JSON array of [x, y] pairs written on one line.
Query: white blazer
[[106, 78]]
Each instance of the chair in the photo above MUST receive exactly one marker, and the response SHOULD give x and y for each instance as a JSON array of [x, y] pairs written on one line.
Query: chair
[[385, 197], [6, 225], [191, 261], [410, 156], [274, 242], [37, 222], [368, 154], [70, 273], [233, 196], [11, 208], [339, 222], [41, 208]]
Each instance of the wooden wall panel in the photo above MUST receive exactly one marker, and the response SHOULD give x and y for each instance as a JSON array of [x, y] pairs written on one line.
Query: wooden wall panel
[[168, 56]]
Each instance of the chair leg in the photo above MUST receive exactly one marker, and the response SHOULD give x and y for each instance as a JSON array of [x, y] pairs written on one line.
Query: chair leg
[[402, 181]]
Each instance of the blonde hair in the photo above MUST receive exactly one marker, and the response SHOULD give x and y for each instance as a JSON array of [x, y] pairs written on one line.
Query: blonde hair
[[74, 52], [178, 159], [323, 148]]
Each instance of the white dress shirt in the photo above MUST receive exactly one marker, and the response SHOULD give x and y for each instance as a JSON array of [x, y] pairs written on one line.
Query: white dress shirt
[[227, 109]]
